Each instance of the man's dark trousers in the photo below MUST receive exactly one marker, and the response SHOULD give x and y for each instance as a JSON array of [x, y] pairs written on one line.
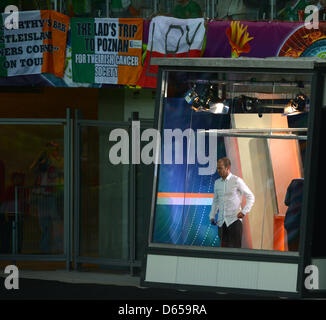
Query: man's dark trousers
[[231, 236]]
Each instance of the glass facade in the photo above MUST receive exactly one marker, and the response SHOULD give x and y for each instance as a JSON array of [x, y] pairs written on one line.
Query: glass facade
[[258, 122], [109, 8], [35, 219], [32, 185], [184, 9], [104, 198]]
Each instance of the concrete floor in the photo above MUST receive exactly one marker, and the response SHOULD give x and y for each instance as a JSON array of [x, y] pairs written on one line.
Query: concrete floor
[[77, 277], [89, 285]]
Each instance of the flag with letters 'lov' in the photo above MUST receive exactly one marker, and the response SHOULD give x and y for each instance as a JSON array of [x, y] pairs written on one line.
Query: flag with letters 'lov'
[[106, 50], [33, 42], [171, 37]]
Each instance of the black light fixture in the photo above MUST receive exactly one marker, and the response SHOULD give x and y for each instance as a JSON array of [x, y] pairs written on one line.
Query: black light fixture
[[208, 101], [248, 104], [296, 105], [191, 95], [245, 104], [196, 100], [299, 104]]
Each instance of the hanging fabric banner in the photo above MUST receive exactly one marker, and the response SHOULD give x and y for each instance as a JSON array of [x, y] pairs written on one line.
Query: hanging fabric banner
[[171, 37], [227, 39], [233, 39], [106, 50], [35, 44]]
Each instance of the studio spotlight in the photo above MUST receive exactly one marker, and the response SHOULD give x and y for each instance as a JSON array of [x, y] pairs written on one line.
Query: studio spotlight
[[296, 105], [246, 104], [300, 102], [209, 101], [219, 108], [196, 101], [249, 104], [191, 95]]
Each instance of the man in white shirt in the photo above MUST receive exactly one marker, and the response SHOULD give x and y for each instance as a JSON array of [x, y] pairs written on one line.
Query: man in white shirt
[[228, 192]]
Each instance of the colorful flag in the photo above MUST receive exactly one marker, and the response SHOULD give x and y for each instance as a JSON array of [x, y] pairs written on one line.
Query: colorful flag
[[171, 37], [106, 50], [34, 44]]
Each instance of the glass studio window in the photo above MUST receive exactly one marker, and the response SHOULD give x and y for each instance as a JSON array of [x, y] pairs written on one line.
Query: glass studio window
[[257, 121]]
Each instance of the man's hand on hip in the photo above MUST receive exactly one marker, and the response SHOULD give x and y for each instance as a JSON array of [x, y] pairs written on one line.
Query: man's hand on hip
[[240, 215]]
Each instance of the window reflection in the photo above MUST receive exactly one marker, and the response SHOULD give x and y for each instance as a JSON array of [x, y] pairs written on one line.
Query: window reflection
[[281, 10], [111, 8], [183, 9], [238, 10], [284, 10]]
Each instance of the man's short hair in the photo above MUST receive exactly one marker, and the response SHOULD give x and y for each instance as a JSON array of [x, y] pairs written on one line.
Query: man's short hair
[[226, 161]]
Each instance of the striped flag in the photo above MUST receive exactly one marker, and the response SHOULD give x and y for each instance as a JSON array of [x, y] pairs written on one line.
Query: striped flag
[[106, 50], [37, 44], [171, 37]]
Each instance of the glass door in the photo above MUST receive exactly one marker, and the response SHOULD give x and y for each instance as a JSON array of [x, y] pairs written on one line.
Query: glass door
[[111, 204], [35, 184]]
